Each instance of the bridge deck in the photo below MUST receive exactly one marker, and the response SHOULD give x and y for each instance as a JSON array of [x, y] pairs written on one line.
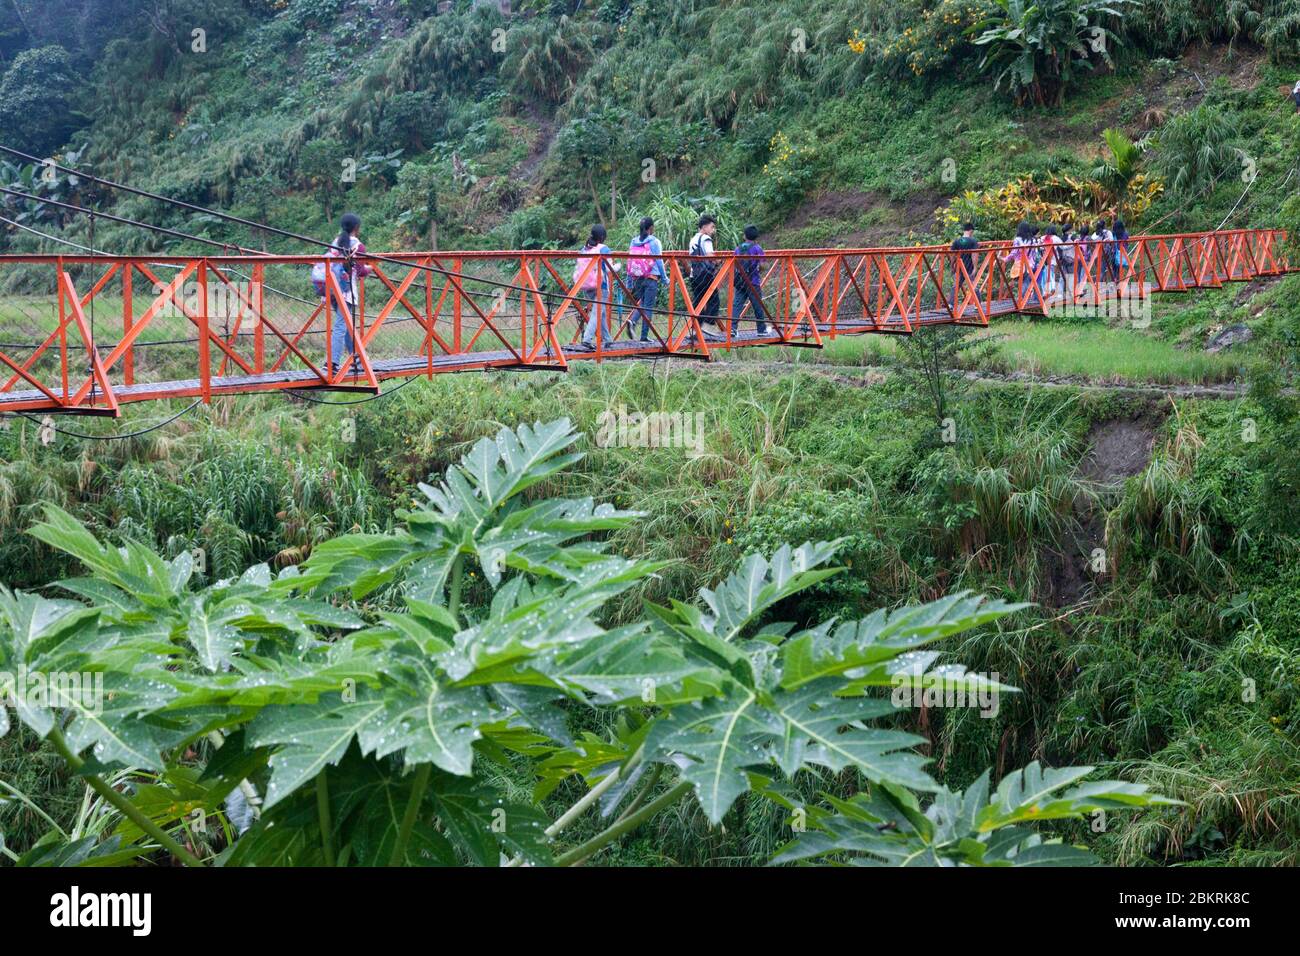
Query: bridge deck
[[620, 350]]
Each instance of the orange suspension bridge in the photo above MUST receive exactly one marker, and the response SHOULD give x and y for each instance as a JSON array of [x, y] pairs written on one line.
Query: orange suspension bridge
[[88, 333]]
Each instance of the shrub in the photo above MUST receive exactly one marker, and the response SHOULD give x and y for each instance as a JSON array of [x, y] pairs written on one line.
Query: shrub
[[1196, 149], [382, 739], [38, 101]]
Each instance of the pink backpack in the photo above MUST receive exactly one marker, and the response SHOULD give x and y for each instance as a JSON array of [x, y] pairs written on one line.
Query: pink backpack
[[640, 266], [592, 279]]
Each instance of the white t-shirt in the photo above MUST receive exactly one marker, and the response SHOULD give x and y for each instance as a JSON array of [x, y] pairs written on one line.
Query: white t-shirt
[[701, 245], [349, 290]]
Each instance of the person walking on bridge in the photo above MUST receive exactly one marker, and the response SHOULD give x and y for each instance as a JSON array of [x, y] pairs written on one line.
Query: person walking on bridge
[[1120, 232], [747, 281], [593, 282], [645, 267], [1022, 257], [1051, 271], [1068, 258], [703, 270], [1109, 264], [344, 254], [964, 264]]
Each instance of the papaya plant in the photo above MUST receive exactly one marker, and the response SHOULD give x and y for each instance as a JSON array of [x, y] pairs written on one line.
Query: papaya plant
[[382, 703]]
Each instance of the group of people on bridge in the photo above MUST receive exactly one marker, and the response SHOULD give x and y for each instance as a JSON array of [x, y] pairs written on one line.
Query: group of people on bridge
[[1052, 262], [593, 284], [646, 272], [1046, 263]]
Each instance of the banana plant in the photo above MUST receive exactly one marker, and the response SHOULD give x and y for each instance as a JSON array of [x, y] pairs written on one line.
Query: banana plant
[[1034, 47], [369, 704]]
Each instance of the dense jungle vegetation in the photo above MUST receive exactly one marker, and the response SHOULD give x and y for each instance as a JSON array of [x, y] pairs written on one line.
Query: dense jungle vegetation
[[552, 651]]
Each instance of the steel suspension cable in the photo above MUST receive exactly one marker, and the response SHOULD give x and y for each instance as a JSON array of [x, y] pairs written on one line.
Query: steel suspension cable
[[562, 296], [135, 434]]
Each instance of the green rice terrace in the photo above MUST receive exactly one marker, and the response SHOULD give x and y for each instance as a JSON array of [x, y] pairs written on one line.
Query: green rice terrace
[[1008, 589]]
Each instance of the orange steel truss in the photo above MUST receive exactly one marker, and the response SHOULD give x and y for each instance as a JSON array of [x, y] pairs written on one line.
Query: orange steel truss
[[89, 334]]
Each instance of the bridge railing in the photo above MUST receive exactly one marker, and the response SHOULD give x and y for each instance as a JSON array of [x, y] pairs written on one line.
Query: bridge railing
[[88, 333]]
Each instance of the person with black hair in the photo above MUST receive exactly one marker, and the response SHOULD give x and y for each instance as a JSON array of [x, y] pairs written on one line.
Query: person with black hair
[[1068, 256], [964, 264], [645, 267], [1108, 270], [1120, 232], [345, 251], [703, 270], [593, 282], [1021, 258], [747, 281], [1052, 267]]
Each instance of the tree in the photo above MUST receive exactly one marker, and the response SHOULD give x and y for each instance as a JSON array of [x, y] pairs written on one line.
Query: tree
[[1118, 171], [38, 101], [1197, 149], [927, 363], [544, 56], [417, 196], [1034, 47], [322, 166], [597, 144], [14, 36], [254, 191], [410, 121]]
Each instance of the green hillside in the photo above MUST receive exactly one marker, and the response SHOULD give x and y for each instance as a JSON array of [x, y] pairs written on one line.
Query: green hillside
[[1126, 499]]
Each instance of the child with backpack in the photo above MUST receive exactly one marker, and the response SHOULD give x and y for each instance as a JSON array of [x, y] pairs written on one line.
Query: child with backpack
[[703, 270], [1109, 265], [1052, 267], [341, 260], [748, 281], [1067, 257], [1023, 257], [964, 263], [592, 282], [645, 267], [1120, 232]]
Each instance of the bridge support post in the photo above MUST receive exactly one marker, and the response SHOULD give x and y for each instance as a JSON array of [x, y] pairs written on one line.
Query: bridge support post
[[455, 307], [128, 320], [205, 358], [259, 355], [63, 329]]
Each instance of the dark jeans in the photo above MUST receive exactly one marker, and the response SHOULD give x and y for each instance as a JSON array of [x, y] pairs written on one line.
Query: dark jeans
[[341, 343], [699, 285], [961, 282], [1109, 263], [598, 312], [645, 289], [754, 298]]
